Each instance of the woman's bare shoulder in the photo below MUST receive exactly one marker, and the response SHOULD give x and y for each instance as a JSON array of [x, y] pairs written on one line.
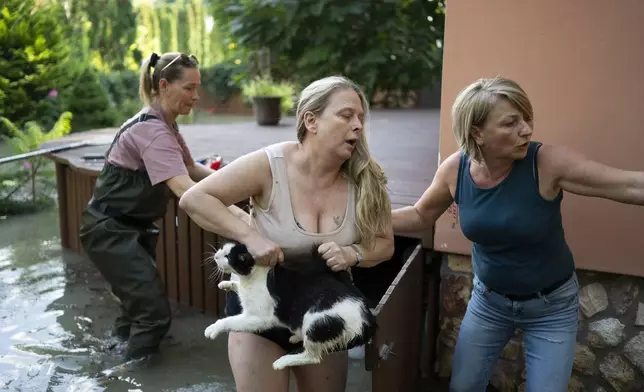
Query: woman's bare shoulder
[[286, 147], [448, 169]]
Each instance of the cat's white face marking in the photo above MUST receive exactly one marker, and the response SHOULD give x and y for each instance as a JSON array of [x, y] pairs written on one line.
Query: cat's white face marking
[[221, 258]]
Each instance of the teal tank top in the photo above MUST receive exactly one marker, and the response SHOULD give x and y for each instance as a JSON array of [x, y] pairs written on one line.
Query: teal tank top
[[519, 246]]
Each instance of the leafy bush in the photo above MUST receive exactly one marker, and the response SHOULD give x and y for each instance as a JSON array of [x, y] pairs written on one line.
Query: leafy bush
[[34, 60], [384, 46], [50, 109], [121, 85], [32, 135], [223, 79], [123, 93], [125, 110], [89, 101], [28, 186]]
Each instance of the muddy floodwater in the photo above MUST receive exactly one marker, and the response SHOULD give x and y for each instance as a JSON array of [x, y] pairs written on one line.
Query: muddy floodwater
[[55, 313]]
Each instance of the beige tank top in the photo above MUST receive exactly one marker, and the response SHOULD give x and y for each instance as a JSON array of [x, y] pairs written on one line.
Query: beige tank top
[[278, 223]]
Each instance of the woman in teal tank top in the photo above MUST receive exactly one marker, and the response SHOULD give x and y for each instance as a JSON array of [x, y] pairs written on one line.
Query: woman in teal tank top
[[509, 190]]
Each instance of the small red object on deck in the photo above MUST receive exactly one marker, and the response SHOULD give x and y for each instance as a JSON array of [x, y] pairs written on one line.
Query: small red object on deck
[[215, 163]]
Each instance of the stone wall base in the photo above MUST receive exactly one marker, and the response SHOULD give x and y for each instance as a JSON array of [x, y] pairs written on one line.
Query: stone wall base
[[610, 339]]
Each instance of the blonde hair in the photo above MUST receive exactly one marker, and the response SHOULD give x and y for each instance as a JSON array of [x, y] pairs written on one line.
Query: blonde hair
[[373, 205], [475, 102], [168, 66]]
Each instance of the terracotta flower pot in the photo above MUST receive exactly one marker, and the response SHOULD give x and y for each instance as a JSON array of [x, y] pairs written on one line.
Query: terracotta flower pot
[[268, 110]]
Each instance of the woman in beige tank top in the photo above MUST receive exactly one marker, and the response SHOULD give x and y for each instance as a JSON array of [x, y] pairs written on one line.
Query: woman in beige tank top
[[323, 189]]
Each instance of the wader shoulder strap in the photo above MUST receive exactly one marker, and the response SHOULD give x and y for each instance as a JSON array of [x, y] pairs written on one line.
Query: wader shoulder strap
[[141, 118]]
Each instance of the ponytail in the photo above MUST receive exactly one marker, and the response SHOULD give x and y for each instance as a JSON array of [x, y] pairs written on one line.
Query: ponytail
[[145, 79]]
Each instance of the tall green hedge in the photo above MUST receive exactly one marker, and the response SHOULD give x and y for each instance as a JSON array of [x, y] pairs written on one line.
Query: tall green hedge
[[89, 101], [34, 60]]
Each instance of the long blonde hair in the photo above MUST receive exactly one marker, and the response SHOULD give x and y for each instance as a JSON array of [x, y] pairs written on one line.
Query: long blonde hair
[[373, 209], [475, 102]]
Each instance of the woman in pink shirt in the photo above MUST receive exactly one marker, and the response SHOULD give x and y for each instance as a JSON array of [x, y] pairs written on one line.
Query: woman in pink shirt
[[147, 162]]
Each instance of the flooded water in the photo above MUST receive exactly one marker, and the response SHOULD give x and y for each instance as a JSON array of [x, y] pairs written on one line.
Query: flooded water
[[55, 313]]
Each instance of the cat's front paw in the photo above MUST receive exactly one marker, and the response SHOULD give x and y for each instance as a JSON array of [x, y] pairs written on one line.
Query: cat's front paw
[[227, 285], [282, 363], [214, 330], [291, 360]]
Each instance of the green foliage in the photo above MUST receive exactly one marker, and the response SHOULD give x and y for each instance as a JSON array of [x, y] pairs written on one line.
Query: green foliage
[[88, 99], [391, 46], [167, 15], [50, 109], [149, 35], [15, 199], [32, 135], [264, 86], [110, 29], [168, 26], [223, 79], [121, 85], [34, 59], [123, 93], [18, 185]]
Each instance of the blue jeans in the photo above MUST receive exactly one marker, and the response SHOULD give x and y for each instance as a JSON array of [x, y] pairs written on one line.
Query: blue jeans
[[549, 325]]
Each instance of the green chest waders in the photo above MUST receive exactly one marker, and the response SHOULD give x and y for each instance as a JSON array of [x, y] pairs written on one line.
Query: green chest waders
[[119, 236]]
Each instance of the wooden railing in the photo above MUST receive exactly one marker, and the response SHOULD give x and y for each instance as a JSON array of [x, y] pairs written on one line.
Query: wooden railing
[[182, 249]]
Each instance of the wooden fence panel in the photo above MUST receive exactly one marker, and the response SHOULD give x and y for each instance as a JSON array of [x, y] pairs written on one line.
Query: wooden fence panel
[[63, 202], [73, 208], [81, 195], [212, 293], [170, 238], [196, 261], [182, 251], [183, 256]]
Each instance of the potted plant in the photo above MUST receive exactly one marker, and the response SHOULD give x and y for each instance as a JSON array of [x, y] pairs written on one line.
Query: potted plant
[[270, 98]]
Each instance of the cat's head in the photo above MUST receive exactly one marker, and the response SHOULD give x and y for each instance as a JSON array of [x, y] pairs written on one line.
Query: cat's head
[[234, 257]]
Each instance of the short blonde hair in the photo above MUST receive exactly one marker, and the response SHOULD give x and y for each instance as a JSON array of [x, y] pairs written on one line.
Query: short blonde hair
[[475, 102]]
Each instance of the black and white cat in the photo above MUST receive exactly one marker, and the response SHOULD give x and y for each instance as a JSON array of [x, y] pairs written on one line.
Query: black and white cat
[[321, 308]]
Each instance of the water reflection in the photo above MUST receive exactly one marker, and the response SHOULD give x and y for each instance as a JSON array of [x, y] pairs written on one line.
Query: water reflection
[[37, 338], [55, 312]]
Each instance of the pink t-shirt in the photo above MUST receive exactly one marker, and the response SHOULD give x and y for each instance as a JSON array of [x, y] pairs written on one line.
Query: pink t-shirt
[[154, 145]]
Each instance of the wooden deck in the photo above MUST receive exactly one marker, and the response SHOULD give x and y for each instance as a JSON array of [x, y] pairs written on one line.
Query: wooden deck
[[405, 143]]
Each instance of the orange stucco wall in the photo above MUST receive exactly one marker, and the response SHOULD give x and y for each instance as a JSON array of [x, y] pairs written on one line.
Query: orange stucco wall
[[582, 64]]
